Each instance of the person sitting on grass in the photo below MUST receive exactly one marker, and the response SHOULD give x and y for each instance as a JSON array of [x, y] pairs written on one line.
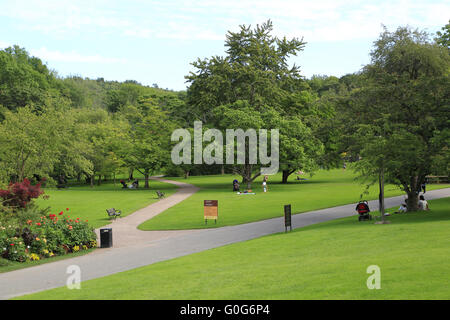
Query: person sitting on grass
[[402, 208], [124, 185], [423, 204], [235, 185]]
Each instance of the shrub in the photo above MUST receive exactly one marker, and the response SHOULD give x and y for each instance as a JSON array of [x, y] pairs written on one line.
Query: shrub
[[45, 236], [19, 194]]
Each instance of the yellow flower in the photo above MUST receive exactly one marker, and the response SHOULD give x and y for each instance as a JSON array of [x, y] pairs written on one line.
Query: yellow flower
[[76, 248], [34, 257]]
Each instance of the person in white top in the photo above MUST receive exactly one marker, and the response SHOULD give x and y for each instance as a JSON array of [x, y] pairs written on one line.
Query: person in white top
[[423, 204], [402, 208]]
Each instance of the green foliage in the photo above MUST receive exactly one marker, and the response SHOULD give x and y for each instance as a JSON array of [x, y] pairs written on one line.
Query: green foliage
[[253, 86], [402, 109], [443, 38], [24, 80]]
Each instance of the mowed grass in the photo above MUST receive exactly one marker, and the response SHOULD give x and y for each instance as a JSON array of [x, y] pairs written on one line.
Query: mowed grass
[[325, 189], [323, 261], [91, 203]]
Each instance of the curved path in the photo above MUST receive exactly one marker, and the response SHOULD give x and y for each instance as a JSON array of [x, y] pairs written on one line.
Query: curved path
[[165, 246], [125, 231]]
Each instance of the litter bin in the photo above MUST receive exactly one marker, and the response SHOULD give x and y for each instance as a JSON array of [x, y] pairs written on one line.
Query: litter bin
[[106, 238]]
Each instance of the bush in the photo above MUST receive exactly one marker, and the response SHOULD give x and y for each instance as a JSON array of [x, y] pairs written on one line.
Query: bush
[[19, 194], [44, 236]]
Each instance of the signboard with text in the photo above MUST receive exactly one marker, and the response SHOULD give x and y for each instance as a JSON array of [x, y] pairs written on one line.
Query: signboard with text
[[211, 210]]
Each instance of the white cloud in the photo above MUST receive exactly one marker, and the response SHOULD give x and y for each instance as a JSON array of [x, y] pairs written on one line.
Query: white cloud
[[318, 20], [58, 56]]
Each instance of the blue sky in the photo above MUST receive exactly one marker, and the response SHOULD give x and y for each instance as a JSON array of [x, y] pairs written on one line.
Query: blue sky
[[155, 41]]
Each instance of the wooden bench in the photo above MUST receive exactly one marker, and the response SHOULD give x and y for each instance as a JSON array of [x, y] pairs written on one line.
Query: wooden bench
[[160, 194], [113, 213], [437, 179]]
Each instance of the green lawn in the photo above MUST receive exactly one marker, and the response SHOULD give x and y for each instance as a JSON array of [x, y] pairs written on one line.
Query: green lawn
[[325, 189], [91, 203], [323, 261]]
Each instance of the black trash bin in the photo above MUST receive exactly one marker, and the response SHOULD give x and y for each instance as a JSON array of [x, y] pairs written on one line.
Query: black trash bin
[[106, 238]]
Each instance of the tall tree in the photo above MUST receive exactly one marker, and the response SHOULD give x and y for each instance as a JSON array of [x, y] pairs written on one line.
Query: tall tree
[[252, 81], [404, 102]]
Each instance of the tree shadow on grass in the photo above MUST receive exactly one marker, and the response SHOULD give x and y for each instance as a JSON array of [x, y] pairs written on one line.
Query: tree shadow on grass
[[395, 219]]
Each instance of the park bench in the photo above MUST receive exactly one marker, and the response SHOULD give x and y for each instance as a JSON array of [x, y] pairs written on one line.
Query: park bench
[[113, 213], [437, 179], [160, 194]]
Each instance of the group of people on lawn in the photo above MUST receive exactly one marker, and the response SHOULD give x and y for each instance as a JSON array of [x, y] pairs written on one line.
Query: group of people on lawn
[[423, 204], [363, 209], [264, 184], [133, 185]]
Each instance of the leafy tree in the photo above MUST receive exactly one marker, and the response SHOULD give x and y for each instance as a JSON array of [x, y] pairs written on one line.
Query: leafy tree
[[148, 146], [443, 38], [31, 141], [403, 108], [24, 80], [102, 136], [250, 87]]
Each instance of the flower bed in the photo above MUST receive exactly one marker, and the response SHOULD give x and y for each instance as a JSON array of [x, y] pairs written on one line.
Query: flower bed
[[44, 237]]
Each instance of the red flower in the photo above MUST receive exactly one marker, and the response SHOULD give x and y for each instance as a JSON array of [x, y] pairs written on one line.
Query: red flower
[[38, 224], [12, 244], [67, 209], [60, 213], [70, 228]]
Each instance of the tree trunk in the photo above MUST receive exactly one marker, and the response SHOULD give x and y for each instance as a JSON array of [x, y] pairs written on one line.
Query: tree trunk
[[286, 174], [186, 174], [146, 175], [130, 176], [413, 201], [381, 195], [99, 181], [92, 180], [413, 194], [222, 170]]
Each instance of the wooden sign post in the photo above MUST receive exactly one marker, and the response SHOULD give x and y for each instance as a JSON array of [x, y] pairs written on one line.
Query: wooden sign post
[[211, 210], [287, 217]]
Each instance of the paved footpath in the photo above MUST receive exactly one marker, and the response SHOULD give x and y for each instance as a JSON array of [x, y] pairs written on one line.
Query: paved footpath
[[162, 245]]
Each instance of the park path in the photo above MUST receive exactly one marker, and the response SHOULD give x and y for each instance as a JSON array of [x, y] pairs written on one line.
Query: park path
[[125, 231], [104, 262]]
